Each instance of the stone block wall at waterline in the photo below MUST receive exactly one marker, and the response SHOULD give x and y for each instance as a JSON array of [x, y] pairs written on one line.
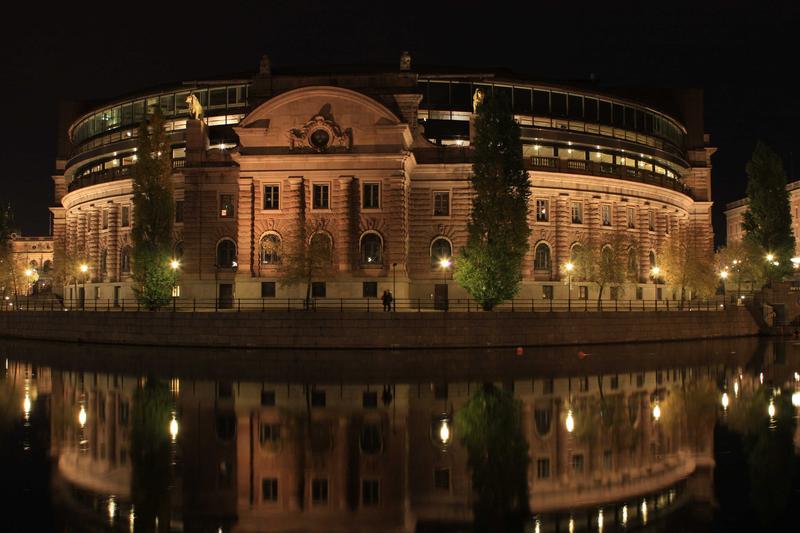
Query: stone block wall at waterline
[[325, 329]]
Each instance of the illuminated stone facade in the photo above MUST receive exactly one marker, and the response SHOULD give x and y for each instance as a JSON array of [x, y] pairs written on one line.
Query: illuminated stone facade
[[378, 163], [734, 215]]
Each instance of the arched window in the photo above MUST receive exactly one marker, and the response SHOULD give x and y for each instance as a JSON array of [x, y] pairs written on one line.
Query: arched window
[[541, 258], [226, 254], [179, 250], [440, 249], [371, 249], [47, 267], [34, 264], [607, 258], [125, 260], [575, 252], [270, 249], [321, 247], [633, 264]]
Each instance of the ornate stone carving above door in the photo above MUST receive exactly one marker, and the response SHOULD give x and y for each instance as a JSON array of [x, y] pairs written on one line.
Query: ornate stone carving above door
[[320, 135]]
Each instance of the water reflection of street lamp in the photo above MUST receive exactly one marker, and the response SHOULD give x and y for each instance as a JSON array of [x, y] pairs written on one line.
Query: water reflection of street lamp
[[771, 409], [796, 399], [656, 412], [82, 417], [442, 432], [725, 401], [173, 428]]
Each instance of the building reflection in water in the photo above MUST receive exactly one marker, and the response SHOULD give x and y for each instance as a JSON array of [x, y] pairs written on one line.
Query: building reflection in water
[[607, 451]]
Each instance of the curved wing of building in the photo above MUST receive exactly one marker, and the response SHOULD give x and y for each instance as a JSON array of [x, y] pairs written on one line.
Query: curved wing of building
[[377, 163]]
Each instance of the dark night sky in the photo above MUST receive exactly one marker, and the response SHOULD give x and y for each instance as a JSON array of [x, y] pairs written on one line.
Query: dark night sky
[[743, 56]]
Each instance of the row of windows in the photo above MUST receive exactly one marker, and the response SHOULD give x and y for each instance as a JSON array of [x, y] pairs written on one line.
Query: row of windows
[[370, 488], [370, 198], [542, 101], [542, 261], [606, 218], [171, 105]]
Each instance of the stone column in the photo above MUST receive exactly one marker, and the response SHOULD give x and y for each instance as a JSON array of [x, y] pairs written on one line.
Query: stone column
[[343, 238], [246, 239], [112, 246]]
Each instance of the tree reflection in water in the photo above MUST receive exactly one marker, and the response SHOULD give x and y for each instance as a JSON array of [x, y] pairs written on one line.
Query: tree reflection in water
[[151, 454]]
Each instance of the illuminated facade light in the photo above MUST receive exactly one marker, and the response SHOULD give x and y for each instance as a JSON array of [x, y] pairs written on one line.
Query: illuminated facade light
[[82, 416], [173, 428], [656, 412], [570, 422]]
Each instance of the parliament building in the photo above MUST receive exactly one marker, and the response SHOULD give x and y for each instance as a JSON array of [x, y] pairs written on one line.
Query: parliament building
[[377, 161]]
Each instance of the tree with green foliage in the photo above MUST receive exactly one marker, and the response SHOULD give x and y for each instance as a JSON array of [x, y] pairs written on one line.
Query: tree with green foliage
[[684, 267], [603, 263], [768, 219], [490, 265], [744, 263], [153, 215], [490, 428], [309, 257]]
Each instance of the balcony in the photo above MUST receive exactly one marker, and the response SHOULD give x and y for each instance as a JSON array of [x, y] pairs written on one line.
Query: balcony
[[109, 175], [610, 170]]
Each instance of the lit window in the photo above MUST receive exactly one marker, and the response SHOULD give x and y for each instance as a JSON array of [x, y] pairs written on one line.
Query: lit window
[[226, 254], [651, 221], [440, 249], [543, 468], [270, 249]]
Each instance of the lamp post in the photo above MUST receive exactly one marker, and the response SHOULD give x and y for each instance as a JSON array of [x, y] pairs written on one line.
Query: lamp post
[[569, 267], [445, 263], [83, 269], [394, 286], [174, 264], [655, 273]]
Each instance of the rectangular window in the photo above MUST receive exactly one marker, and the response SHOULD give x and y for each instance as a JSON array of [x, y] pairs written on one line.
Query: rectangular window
[[269, 489], [651, 221], [607, 459], [543, 468], [369, 400], [441, 203], [318, 398], [441, 478], [319, 491], [271, 197], [369, 289], [577, 212], [639, 293], [548, 386], [371, 196], [268, 398], [105, 218], [542, 210], [318, 289], [268, 289], [659, 293], [126, 216], [320, 197], [226, 206], [547, 292], [606, 214], [178, 211], [370, 492], [631, 215], [666, 225], [270, 433], [583, 292], [577, 463], [614, 382]]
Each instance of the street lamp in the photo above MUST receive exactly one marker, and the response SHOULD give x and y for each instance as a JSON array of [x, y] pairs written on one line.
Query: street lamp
[[83, 269], [656, 412], [770, 258], [569, 267], [445, 263], [569, 423]]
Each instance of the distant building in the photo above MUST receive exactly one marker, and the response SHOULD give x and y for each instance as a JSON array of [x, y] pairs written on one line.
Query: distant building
[[734, 215], [377, 161], [32, 255]]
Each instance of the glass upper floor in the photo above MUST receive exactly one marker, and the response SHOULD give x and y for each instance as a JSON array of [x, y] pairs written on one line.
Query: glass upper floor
[[556, 108], [216, 100]]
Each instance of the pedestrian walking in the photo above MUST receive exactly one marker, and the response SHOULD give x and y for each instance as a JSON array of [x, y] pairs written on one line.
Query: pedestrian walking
[[386, 298]]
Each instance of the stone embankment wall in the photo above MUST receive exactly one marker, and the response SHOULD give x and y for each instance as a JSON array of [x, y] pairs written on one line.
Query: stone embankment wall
[[326, 329]]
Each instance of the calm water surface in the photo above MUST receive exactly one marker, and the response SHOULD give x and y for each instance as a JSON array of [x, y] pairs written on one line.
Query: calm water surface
[[670, 437]]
